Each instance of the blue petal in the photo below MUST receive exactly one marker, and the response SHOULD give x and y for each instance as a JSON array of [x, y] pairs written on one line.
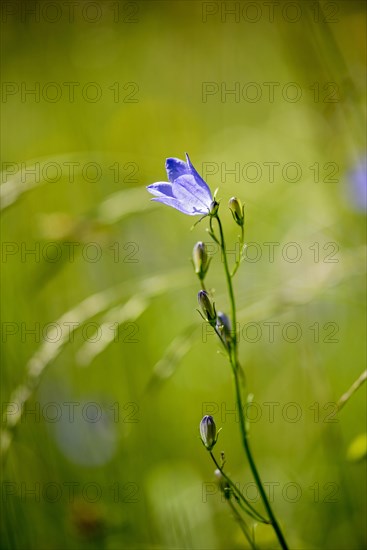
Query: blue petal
[[176, 168], [175, 203], [199, 180], [187, 188], [161, 189]]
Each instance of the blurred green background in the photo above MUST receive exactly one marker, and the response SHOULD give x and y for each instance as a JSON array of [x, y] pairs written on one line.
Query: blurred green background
[[119, 370]]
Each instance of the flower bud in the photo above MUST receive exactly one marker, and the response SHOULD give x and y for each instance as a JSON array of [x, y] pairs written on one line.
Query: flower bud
[[214, 208], [207, 307], [237, 210], [224, 327], [208, 432], [200, 259]]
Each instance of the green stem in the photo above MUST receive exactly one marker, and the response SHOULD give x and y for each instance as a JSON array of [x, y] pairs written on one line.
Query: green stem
[[235, 369], [354, 387], [243, 525], [229, 283], [252, 512], [253, 467], [238, 263]]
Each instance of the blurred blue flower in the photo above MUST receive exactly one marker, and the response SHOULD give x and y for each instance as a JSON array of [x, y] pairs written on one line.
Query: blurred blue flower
[[186, 190], [358, 188]]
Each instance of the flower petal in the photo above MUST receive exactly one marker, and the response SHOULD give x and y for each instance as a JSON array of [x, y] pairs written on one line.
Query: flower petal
[[191, 195], [176, 168], [175, 203], [199, 180], [186, 192], [160, 189]]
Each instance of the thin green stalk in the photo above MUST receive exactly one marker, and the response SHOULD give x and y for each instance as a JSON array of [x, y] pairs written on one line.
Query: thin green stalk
[[235, 369], [229, 283], [254, 513], [354, 387], [253, 467], [238, 263], [242, 524]]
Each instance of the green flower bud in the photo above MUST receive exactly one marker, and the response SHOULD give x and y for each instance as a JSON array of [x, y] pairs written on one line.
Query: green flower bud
[[224, 328], [200, 259], [214, 208], [237, 210], [208, 432], [207, 307]]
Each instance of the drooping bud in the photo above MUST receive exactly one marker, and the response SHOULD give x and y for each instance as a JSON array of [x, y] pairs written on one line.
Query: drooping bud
[[200, 259], [224, 328], [208, 432], [237, 210], [207, 307]]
